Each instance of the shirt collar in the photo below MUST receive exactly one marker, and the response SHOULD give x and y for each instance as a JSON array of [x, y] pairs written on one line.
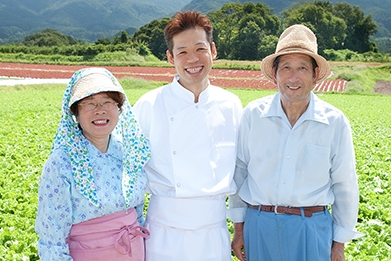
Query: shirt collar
[[114, 149], [314, 112], [187, 95]]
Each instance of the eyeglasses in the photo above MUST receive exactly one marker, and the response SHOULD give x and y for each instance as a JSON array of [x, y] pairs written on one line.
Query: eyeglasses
[[107, 105]]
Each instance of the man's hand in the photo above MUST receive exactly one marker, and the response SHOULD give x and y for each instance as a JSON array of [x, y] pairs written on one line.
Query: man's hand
[[337, 251], [238, 242]]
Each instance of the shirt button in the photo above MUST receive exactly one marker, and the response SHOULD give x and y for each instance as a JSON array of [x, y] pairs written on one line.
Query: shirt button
[[178, 185], [288, 157], [174, 152], [172, 118], [196, 106]]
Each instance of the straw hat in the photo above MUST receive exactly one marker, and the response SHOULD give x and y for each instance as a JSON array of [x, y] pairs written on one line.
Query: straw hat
[[296, 39], [95, 82]]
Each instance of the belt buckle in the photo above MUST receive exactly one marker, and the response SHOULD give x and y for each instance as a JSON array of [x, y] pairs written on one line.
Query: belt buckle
[[276, 211]]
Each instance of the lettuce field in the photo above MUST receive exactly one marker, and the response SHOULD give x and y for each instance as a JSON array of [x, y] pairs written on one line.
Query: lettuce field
[[30, 115]]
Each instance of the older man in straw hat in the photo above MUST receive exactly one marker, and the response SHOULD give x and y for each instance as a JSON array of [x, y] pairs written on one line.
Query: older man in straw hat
[[295, 160]]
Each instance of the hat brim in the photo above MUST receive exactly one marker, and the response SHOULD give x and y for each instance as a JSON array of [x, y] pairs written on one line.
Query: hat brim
[[92, 84], [267, 63]]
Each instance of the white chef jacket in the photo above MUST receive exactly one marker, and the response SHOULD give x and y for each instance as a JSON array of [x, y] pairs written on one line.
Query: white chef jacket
[[193, 144], [309, 164], [193, 147]]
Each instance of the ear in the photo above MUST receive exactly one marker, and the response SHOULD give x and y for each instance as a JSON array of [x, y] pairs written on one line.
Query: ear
[[274, 76], [213, 50], [316, 76], [170, 58]]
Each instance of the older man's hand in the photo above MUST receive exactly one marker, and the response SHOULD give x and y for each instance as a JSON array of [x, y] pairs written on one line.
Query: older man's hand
[[238, 242], [338, 251]]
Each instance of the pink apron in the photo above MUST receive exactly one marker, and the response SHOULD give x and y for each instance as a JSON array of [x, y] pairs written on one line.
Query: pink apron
[[117, 236]]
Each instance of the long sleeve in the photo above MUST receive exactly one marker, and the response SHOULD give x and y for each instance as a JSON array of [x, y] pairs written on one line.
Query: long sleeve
[[309, 164], [177, 128], [237, 207], [345, 188], [61, 205], [54, 217]]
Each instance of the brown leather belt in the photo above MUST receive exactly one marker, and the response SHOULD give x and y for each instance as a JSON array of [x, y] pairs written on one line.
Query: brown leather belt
[[290, 210]]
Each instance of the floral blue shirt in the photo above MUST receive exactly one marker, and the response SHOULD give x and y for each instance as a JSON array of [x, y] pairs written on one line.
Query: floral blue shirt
[[61, 205]]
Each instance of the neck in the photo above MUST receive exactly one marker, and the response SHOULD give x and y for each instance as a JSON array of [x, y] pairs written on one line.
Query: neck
[[293, 111], [196, 89], [102, 144]]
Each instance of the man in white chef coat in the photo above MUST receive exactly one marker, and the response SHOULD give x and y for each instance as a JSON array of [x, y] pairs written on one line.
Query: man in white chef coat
[[191, 127]]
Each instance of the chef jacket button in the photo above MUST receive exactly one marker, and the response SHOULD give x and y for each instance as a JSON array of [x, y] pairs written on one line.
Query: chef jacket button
[[174, 152], [178, 185], [172, 118]]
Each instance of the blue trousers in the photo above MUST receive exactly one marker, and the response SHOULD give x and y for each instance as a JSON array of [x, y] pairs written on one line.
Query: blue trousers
[[280, 237]]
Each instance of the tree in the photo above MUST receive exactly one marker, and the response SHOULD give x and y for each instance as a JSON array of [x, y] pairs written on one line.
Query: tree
[[247, 41], [358, 28], [122, 38], [224, 29], [267, 45], [103, 41], [49, 37], [152, 35], [338, 27], [239, 29], [318, 16]]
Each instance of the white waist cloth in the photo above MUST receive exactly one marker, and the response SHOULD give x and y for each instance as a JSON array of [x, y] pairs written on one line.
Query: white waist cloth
[[186, 213], [187, 229]]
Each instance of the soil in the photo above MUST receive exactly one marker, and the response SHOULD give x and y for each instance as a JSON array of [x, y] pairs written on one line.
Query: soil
[[383, 87], [220, 77], [223, 78]]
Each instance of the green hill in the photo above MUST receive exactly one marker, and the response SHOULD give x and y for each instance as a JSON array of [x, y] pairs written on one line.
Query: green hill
[[89, 20]]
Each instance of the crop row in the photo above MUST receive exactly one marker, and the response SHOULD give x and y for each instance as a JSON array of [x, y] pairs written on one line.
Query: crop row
[[29, 121]]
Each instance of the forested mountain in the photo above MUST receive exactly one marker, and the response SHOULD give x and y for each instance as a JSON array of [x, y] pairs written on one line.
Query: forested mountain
[[89, 20], [83, 19]]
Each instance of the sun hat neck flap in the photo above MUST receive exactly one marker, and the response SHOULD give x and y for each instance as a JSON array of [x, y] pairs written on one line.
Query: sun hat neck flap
[[69, 138], [296, 39]]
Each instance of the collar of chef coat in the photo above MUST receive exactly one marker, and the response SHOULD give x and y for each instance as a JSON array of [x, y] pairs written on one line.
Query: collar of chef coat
[[187, 95]]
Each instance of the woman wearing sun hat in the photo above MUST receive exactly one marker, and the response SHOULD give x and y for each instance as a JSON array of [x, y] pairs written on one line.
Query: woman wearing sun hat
[[295, 160], [91, 193]]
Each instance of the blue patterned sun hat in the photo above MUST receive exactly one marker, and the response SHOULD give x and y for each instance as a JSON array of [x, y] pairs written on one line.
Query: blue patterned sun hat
[[136, 153]]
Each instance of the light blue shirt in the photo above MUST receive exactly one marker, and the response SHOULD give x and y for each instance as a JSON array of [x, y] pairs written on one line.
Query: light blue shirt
[[309, 164], [61, 205]]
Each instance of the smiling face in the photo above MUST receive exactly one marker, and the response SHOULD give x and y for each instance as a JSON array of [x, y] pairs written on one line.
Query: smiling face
[[97, 124], [295, 78], [192, 56]]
